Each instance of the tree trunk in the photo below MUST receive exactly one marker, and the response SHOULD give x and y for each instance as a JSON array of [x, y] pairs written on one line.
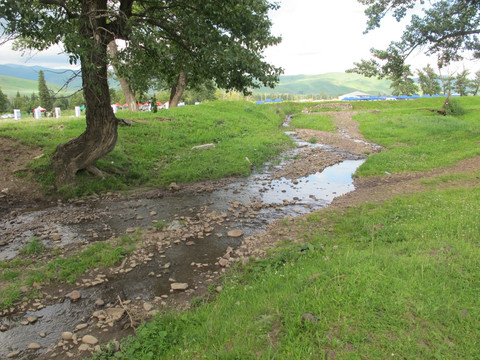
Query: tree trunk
[[178, 89], [127, 90], [101, 134]]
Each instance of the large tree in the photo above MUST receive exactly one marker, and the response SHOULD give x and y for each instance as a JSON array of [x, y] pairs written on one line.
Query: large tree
[[446, 28], [203, 29]]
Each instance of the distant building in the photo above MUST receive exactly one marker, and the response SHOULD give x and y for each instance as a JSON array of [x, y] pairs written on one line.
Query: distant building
[[355, 94]]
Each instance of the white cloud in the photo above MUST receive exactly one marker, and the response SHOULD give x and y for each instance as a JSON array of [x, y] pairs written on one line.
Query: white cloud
[[319, 36], [327, 36]]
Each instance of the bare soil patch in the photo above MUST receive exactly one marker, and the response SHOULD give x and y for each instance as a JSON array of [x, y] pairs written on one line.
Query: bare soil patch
[[15, 187]]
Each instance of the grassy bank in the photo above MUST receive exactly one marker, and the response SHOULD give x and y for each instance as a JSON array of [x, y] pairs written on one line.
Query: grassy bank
[[157, 149], [416, 138]]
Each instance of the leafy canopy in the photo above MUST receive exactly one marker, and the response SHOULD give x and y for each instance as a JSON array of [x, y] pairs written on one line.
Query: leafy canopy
[[220, 40], [446, 28]]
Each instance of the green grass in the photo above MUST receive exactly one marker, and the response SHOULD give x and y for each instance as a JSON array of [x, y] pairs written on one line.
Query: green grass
[[34, 246], [157, 149], [19, 274], [398, 280], [321, 122], [419, 140]]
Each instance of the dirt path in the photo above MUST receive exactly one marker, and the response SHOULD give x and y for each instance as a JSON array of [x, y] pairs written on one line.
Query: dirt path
[[114, 321]]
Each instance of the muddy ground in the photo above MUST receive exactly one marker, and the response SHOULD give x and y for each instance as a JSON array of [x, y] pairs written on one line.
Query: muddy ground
[[119, 317]]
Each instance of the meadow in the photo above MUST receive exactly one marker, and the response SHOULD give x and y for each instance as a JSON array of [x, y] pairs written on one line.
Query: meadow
[[392, 280]]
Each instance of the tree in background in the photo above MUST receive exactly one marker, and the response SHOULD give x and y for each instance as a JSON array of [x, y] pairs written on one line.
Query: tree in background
[[46, 100], [447, 28], [128, 93], [462, 83], [429, 81], [404, 85], [224, 40], [4, 103], [475, 84]]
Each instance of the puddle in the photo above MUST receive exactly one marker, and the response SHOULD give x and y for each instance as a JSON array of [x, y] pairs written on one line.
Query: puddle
[[84, 222]]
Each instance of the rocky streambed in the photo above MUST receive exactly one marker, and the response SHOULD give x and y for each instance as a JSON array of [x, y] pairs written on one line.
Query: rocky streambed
[[188, 236]]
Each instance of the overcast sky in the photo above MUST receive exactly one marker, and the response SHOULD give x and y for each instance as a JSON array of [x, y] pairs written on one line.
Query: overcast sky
[[319, 36]]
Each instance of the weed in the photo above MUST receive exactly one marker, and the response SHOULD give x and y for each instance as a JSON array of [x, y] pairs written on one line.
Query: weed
[[34, 246], [161, 224], [313, 140]]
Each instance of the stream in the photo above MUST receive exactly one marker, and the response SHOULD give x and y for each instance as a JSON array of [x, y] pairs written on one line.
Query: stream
[[81, 222]]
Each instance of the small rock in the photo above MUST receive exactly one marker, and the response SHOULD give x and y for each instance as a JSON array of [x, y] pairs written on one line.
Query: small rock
[[74, 295], [179, 286], [84, 347], [33, 346], [32, 319], [99, 302], [90, 340], [130, 230], [13, 354], [115, 314], [235, 233], [67, 335], [174, 187], [223, 262], [80, 327], [147, 306]]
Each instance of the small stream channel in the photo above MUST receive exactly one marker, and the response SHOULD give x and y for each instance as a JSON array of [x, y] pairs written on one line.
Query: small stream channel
[[85, 221]]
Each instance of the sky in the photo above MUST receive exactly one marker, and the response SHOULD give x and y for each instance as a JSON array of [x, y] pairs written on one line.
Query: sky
[[318, 36]]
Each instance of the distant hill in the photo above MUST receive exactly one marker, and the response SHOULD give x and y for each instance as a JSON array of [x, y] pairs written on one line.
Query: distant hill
[[24, 79], [331, 84]]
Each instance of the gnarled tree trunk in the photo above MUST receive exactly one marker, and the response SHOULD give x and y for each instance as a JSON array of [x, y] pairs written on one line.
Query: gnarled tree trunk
[[101, 134], [178, 89], [126, 89]]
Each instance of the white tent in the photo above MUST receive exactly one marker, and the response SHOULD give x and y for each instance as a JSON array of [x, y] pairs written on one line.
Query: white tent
[[355, 94]]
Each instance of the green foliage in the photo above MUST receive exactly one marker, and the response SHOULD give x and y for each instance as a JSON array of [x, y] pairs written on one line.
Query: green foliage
[[34, 246], [446, 28], [4, 103], [429, 81], [46, 100], [455, 108]]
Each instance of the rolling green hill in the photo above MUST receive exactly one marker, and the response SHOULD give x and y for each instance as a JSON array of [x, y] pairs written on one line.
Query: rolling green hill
[[331, 84], [10, 85]]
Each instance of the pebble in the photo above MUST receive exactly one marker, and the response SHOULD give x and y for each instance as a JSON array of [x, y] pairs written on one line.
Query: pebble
[[74, 295], [235, 233], [147, 306], [13, 354], [32, 319], [80, 327], [33, 346], [99, 302], [90, 340], [179, 286], [67, 335]]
